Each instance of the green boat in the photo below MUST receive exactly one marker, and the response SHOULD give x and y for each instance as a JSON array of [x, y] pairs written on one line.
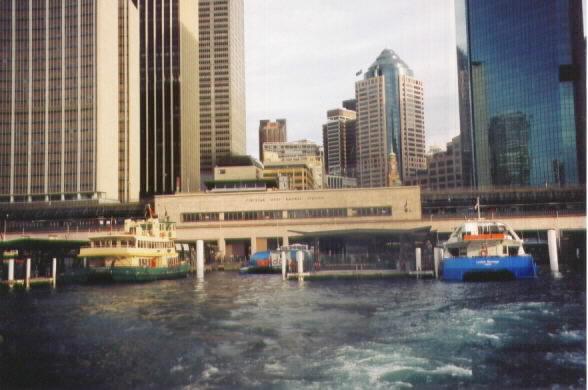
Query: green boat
[[144, 252], [134, 274]]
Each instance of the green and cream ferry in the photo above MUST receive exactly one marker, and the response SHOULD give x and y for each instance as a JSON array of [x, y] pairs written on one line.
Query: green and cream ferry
[[145, 251]]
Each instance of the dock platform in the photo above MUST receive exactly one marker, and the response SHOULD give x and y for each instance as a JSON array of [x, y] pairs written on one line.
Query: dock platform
[[357, 274], [32, 281]]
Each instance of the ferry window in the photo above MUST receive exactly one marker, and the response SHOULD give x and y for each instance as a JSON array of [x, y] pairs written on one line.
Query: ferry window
[[504, 250]]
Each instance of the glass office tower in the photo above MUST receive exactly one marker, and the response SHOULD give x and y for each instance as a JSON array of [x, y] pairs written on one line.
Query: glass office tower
[[522, 90], [405, 134]]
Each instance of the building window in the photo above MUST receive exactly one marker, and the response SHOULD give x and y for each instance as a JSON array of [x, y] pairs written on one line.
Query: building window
[[199, 217], [371, 212], [317, 213]]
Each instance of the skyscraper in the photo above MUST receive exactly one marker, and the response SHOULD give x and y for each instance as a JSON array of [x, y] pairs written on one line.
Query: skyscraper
[[222, 81], [339, 142], [66, 117], [372, 134], [169, 96], [404, 127], [412, 126], [271, 132], [522, 90]]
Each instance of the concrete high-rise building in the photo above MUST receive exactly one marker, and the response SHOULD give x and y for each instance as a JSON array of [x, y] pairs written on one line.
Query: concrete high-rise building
[[222, 81], [68, 121], [390, 66], [412, 126], [170, 159], [271, 132], [522, 91], [372, 136], [403, 120], [339, 142]]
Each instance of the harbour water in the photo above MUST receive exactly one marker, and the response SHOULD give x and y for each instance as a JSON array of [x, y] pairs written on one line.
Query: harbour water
[[255, 331]]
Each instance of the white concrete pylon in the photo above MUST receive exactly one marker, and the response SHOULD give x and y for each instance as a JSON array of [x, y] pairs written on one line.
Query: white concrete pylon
[[437, 255], [54, 272], [418, 259], [284, 260], [10, 270], [300, 261], [200, 259], [552, 245], [28, 274]]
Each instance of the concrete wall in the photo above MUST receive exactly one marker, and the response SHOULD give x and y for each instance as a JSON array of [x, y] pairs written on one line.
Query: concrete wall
[[107, 99], [190, 100], [238, 173]]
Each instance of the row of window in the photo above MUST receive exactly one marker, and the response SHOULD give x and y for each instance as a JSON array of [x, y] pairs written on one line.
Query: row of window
[[291, 214]]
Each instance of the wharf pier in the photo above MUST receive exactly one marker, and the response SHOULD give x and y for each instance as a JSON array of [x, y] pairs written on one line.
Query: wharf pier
[[359, 274], [32, 262]]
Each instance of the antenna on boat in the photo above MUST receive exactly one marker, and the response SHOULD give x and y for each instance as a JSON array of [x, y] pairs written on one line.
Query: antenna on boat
[[477, 207]]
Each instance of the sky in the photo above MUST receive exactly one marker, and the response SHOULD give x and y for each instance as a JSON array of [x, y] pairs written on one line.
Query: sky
[[301, 58]]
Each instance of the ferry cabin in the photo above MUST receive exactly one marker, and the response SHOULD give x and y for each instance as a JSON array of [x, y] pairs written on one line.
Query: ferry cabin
[[484, 239]]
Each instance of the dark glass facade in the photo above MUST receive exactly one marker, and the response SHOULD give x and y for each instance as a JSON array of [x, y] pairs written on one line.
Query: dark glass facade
[[522, 88], [160, 96]]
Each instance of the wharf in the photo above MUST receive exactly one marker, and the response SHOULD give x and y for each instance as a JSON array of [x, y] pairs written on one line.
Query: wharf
[[32, 282], [356, 274]]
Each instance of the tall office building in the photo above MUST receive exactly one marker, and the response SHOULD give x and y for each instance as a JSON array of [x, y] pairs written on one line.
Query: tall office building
[[412, 126], [522, 90], [271, 132], [339, 142], [170, 158], [222, 81], [61, 100], [404, 133], [372, 135]]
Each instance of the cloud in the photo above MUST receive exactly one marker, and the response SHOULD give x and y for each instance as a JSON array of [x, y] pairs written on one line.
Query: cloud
[[301, 58]]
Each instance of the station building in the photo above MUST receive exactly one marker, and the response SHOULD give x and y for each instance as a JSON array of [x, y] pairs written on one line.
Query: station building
[[346, 227]]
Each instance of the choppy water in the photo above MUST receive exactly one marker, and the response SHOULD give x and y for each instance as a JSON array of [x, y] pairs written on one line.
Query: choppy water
[[237, 331]]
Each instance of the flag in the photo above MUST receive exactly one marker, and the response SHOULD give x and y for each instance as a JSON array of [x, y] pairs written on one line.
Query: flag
[[359, 72]]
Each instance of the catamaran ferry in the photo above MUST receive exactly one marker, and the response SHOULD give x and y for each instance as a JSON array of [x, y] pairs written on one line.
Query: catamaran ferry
[[145, 251], [486, 250]]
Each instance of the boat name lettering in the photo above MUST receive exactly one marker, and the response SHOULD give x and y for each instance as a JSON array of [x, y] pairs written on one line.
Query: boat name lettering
[[487, 262]]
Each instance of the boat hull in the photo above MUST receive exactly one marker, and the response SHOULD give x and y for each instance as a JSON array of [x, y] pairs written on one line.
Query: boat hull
[[488, 268], [143, 274]]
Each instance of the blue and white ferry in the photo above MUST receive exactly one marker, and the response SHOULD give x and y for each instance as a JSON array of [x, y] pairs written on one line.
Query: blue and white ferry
[[486, 250]]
